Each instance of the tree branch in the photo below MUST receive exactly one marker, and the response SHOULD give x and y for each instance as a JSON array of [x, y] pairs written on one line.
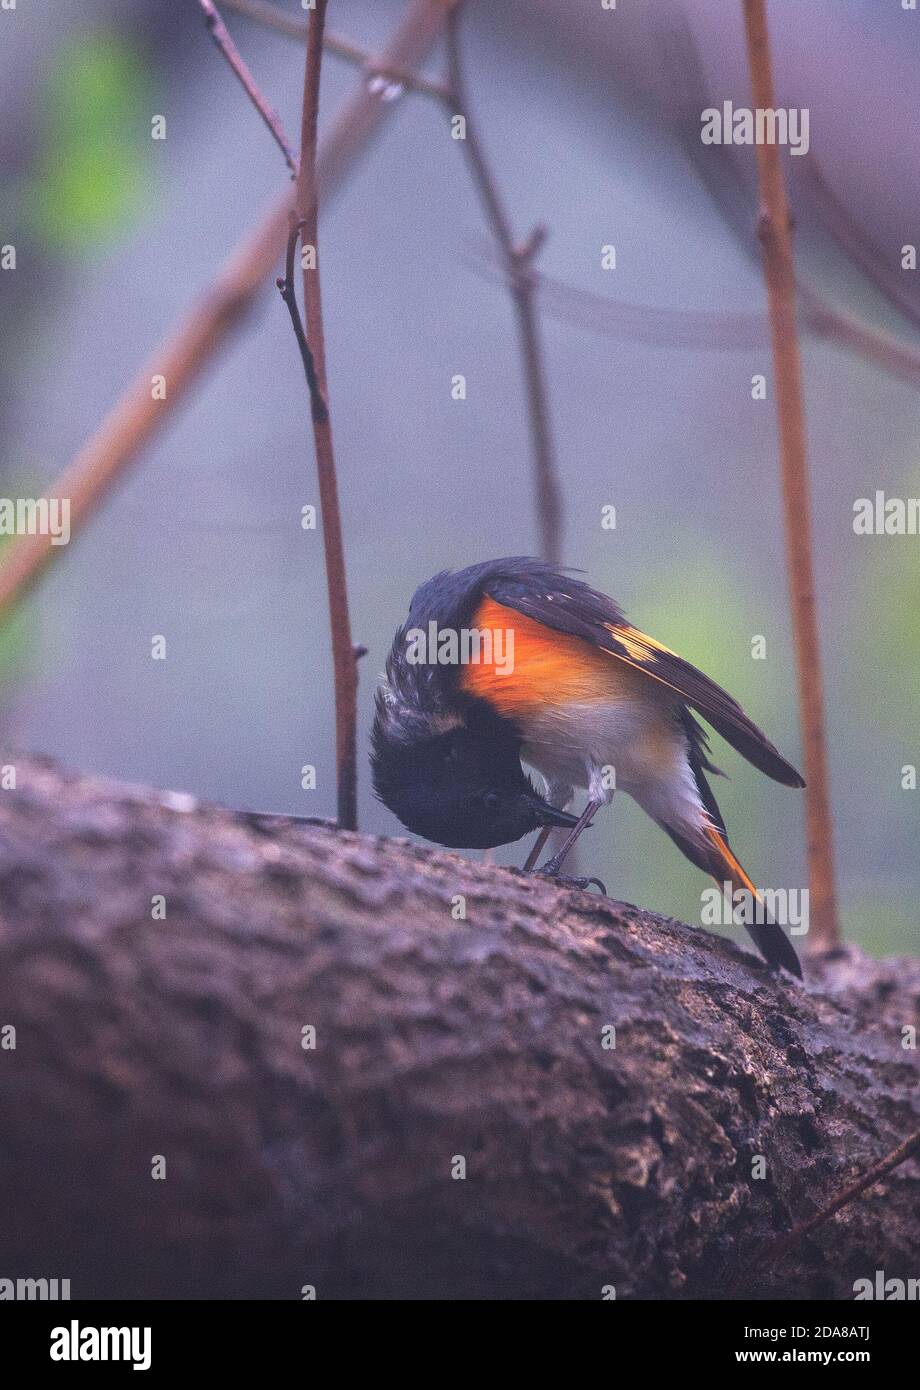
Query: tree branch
[[220, 34], [775, 234], [860, 249], [517, 260], [273, 17], [313, 354], [635, 1102], [319, 409], [708, 330]]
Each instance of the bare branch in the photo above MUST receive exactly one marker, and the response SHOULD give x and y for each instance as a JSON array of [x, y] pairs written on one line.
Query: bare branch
[[707, 330], [518, 266], [313, 354], [517, 259], [319, 410], [883, 349], [854, 242], [385, 73], [273, 17], [779, 273], [219, 33]]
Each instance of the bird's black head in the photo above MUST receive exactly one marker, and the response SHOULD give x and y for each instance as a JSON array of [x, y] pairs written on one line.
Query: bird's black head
[[456, 778]]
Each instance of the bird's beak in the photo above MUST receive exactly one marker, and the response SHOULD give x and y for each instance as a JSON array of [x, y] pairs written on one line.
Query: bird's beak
[[548, 815]]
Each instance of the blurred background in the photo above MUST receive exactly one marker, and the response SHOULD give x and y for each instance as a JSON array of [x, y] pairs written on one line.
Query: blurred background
[[592, 122]]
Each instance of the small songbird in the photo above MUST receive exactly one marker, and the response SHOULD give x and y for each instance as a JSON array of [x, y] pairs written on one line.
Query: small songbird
[[514, 660]]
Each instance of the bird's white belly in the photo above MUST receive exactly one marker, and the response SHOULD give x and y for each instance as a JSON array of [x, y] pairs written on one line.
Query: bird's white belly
[[625, 745], [567, 743]]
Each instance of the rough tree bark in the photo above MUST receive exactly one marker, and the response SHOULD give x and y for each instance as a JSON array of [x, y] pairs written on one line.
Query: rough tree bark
[[435, 1038]]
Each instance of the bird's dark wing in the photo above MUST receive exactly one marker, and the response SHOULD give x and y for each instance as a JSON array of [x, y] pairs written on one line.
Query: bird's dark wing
[[555, 599]]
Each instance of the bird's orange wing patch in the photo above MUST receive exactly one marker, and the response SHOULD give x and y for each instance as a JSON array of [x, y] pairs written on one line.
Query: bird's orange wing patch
[[542, 666]]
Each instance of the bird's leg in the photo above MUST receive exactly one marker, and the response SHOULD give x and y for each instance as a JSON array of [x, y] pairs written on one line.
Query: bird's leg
[[558, 794], [538, 847], [553, 866]]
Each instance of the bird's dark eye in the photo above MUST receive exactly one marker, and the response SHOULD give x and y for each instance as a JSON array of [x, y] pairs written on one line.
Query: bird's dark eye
[[491, 801]]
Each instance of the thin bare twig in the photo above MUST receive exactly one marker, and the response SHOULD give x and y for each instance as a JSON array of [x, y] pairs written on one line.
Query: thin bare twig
[[779, 273], [219, 33], [711, 330], [854, 242], [313, 355], [319, 409], [273, 17], [385, 73], [518, 265], [517, 260], [883, 349], [778, 1249], [181, 358]]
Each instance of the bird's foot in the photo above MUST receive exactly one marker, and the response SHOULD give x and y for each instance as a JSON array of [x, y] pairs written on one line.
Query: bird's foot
[[567, 880]]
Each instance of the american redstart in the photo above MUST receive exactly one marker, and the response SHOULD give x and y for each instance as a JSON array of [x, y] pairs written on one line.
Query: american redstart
[[515, 660]]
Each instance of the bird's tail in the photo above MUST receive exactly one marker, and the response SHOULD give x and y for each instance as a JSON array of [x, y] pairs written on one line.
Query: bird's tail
[[769, 938]]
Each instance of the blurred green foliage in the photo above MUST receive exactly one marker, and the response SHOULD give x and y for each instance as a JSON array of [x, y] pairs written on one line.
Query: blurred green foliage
[[698, 605], [880, 919], [91, 176], [882, 713], [886, 627]]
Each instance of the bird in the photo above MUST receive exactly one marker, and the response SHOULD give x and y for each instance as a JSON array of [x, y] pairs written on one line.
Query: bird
[[516, 661]]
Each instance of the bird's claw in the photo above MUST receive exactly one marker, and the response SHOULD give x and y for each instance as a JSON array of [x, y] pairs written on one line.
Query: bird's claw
[[568, 881]]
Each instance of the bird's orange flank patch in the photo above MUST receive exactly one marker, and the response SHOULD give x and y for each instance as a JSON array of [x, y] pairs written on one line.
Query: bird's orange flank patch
[[548, 667]]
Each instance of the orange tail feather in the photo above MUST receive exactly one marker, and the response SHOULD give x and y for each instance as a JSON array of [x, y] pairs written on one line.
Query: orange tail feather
[[771, 941]]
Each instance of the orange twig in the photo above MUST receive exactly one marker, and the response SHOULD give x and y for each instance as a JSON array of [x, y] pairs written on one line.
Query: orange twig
[[313, 354], [776, 239]]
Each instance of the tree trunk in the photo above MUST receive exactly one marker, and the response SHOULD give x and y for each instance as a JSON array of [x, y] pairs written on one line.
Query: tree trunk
[[165, 1133]]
